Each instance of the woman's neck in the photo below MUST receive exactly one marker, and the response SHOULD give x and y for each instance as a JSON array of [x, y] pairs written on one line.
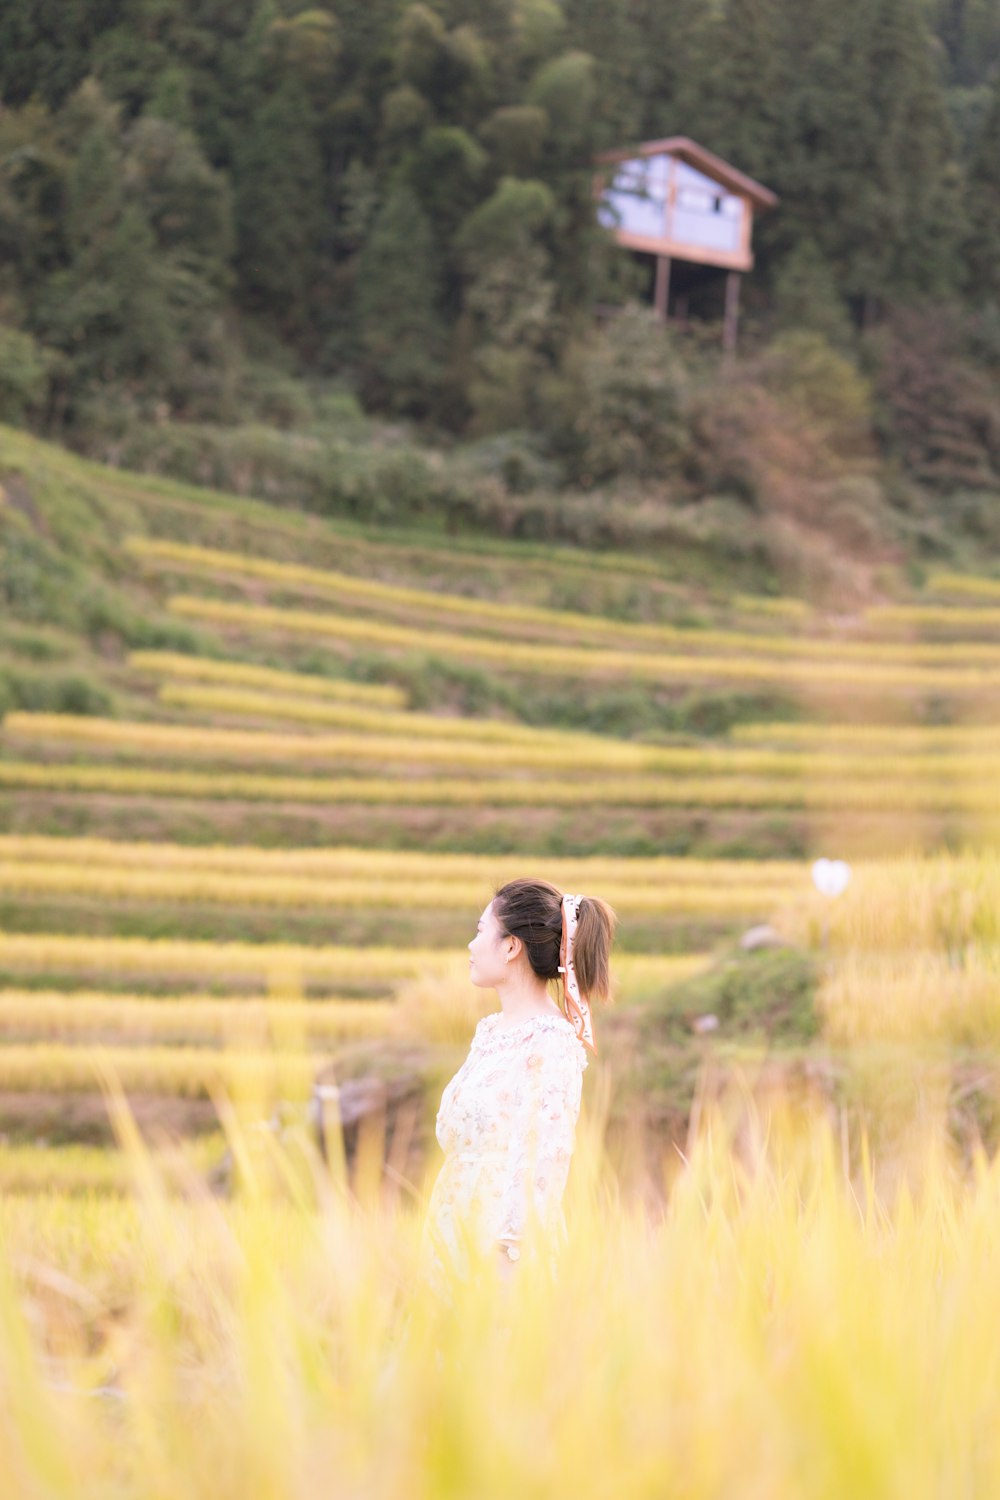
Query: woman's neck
[[519, 1003]]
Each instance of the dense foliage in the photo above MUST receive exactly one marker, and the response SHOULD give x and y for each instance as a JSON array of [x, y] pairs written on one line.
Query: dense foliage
[[202, 203]]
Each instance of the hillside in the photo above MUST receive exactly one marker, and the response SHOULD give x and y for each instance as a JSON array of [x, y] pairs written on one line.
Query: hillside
[[259, 770]]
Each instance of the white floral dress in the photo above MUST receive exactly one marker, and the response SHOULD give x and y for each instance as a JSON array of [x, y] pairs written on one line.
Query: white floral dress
[[507, 1125]]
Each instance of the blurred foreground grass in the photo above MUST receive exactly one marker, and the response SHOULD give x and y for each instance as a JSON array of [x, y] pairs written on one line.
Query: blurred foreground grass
[[785, 1317]]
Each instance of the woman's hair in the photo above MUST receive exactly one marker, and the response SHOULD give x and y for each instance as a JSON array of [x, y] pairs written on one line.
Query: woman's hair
[[532, 911]]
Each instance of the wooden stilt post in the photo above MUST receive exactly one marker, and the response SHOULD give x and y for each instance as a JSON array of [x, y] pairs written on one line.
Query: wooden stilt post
[[732, 316], [662, 291]]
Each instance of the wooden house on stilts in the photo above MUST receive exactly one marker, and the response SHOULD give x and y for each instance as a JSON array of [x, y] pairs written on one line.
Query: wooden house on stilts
[[688, 209]]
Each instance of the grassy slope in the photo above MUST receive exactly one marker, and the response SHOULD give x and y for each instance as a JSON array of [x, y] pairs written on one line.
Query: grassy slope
[[75, 604]]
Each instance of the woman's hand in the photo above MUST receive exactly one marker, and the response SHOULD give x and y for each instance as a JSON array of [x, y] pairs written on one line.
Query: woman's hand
[[507, 1266]]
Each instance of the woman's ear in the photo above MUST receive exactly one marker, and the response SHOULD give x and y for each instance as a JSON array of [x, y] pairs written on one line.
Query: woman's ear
[[514, 946]]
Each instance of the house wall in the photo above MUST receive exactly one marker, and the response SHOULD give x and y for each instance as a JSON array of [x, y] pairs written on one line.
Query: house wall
[[704, 214], [662, 205]]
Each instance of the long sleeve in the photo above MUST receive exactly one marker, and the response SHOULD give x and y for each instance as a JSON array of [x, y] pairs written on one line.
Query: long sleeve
[[543, 1131]]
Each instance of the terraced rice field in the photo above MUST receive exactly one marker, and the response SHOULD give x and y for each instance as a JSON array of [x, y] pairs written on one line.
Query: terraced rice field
[[245, 834], [276, 836]]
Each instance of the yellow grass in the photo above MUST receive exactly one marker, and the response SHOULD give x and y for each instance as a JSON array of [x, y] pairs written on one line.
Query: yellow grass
[[519, 656], [190, 741], [964, 583], [55, 1015], [953, 616], [591, 872], [503, 617], [227, 888], [214, 700], [285, 966], [89, 1170], [235, 674], [944, 793], [940, 902], [891, 738], [187, 1072], [791, 1324], [781, 608], [798, 1301], [277, 963], [475, 613], [912, 996], [183, 741]]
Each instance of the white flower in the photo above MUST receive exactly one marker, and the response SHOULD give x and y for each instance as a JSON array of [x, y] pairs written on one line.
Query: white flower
[[831, 877]]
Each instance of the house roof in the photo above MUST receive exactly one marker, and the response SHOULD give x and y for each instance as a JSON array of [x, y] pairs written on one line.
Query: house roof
[[705, 161]]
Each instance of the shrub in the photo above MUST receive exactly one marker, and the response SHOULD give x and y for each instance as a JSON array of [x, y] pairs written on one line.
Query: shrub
[[59, 693], [617, 407], [804, 369], [768, 991], [938, 413], [24, 372]]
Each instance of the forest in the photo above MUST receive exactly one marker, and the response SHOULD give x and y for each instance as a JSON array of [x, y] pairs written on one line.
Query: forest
[[240, 213]]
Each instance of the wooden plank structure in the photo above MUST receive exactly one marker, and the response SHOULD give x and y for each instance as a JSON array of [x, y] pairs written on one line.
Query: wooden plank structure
[[675, 200]]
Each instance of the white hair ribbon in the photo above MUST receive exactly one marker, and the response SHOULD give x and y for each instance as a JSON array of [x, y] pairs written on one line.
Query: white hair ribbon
[[577, 1005]]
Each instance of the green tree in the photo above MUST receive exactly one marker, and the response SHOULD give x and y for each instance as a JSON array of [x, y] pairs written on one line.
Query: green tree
[[919, 153], [281, 211], [983, 252], [187, 202], [398, 292], [741, 67], [136, 247], [33, 169], [806, 296], [865, 168], [46, 46], [105, 307], [507, 331]]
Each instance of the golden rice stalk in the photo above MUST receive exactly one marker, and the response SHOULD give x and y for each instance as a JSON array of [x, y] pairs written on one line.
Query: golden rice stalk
[[912, 738], [189, 887], [310, 710], [57, 953], [346, 587], [952, 615], [943, 794], [235, 674], [79, 1170], [182, 741], [799, 1313], [587, 872], [818, 737], [764, 604], [188, 1072], [584, 661], [56, 1015], [945, 903], [964, 583], [913, 995], [500, 617]]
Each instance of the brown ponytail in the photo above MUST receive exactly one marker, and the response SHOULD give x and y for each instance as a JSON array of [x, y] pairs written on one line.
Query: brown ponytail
[[595, 931], [532, 911]]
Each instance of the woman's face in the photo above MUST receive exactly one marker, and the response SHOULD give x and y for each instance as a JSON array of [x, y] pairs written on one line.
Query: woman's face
[[488, 955]]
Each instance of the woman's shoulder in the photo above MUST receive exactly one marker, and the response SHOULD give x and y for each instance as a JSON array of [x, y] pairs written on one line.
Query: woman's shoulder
[[549, 1035]]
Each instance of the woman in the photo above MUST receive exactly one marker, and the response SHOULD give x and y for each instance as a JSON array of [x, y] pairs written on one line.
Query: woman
[[507, 1119]]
